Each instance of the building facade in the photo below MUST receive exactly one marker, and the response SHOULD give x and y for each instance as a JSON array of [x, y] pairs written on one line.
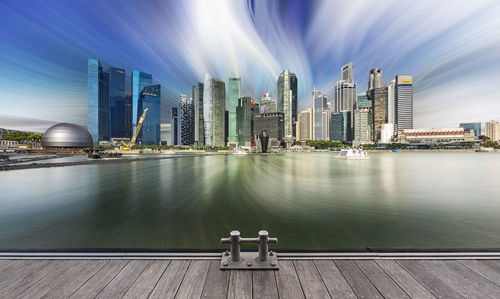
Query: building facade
[[364, 101], [363, 126], [379, 104], [98, 101], [387, 133], [234, 93], [435, 136], [320, 116], [186, 119], [375, 79], [174, 127], [492, 130], [273, 123], [140, 80], [267, 104], [391, 102], [476, 126], [285, 100], [244, 120], [214, 110], [165, 133], [150, 98], [404, 102], [199, 132], [340, 127], [305, 127], [117, 103]]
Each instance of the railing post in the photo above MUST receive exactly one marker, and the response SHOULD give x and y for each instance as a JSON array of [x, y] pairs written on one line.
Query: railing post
[[263, 245], [235, 246], [265, 259]]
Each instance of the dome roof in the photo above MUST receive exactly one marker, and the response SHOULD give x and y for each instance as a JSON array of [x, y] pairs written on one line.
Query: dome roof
[[66, 135]]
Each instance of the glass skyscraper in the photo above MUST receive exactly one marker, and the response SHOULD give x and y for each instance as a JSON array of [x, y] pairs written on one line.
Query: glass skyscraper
[[404, 102], [174, 127], [199, 132], [472, 126], [364, 101], [244, 120], [117, 103], [340, 126], [98, 101], [150, 98], [214, 110], [186, 116], [234, 95], [293, 88], [139, 81], [320, 116], [285, 100]]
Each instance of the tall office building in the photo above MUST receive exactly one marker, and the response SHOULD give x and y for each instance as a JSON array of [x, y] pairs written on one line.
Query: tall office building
[[199, 131], [150, 98], [128, 116], [305, 128], [387, 133], [493, 130], [117, 103], [293, 88], [476, 126], [98, 101], [404, 102], [320, 116], [165, 133], [375, 79], [233, 96], [391, 102], [174, 127], [285, 99], [364, 101], [345, 96], [363, 126], [347, 73], [244, 120], [214, 103], [186, 119], [379, 103], [267, 104], [139, 81], [340, 126]]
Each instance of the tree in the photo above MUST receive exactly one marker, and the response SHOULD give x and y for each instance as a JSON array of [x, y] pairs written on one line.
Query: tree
[[22, 136]]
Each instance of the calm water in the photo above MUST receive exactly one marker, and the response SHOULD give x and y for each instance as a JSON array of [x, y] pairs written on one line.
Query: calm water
[[307, 200]]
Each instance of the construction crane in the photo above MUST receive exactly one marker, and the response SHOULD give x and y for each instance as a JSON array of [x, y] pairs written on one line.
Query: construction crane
[[137, 130]]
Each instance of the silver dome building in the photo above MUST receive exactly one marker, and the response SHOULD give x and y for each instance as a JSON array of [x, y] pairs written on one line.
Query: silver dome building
[[67, 135]]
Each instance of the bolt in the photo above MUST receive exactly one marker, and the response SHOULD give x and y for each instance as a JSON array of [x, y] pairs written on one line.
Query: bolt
[[226, 253], [273, 264], [271, 253], [249, 264], [224, 264]]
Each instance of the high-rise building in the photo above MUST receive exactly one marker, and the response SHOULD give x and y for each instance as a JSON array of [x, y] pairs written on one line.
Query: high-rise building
[[98, 101], [128, 116], [233, 96], [387, 133], [345, 96], [294, 88], [273, 123], [150, 98], [379, 103], [174, 127], [214, 103], [320, 116], [364, 101], [186, 117], [363, 126], [391, 102], [244, 120], [267, 104], [165, 133], [285, 99], [476, 126], [117, 103], [340, 126], [375, 80], [139, 81], [404, 102], [199, 132], [493, 130], [347, 73], [305, 127]]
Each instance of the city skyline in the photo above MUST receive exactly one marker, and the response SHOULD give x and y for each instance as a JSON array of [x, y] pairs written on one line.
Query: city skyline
[[452, 61]]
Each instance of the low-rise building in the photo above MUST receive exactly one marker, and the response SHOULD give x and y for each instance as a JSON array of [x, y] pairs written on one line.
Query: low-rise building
[[436, 135], [273, 123]]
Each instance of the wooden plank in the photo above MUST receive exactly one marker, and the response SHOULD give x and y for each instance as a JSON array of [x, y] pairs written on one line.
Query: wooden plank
[[264, 284], [383, 282], [171, 279], [18, 270], [92, 287], [71, 283], [217, 282], [122, 282], [430, 281], [8, 265], [487, 268], [310, 280], [357, 280], [148, 279], [462, 279], [194, 280], [240, 284], [30, 277], [404, 279], [288, 281], [334, 281]]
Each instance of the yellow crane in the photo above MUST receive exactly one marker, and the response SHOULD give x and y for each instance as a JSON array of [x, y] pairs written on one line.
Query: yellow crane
[[137, 130]]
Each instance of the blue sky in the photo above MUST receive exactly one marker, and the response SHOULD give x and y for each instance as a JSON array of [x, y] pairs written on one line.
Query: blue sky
[[451, 47]]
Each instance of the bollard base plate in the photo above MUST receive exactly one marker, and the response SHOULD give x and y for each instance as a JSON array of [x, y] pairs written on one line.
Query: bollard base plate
[[249, 261]]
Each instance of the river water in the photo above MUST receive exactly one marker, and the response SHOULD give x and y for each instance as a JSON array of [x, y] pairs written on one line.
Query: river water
[[307, 200]]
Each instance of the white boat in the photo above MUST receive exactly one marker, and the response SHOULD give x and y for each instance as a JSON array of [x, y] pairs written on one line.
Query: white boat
[[352, 154], [168, 152], [239, 152]]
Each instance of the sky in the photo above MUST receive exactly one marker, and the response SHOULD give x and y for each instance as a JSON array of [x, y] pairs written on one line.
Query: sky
[[452, 48]]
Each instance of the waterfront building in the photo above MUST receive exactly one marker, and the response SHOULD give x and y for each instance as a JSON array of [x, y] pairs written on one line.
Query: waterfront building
[[387, 133], [199, 132], [493, 130], [345, 96], [476, 126], [186, 121], [340, 126], [430, 136], [267, 104], [214, 111], [375, 79], [379, 104], [150, 98], [320, 116], [364, 101], [273, 123], [234, 93], [244, 121], [363, 126], [174, 127], [404, 102], [305, 127], [285, 99], [117, 103], [391, 102], [165, 133], [139, 81], [98, 101], [128, 116]]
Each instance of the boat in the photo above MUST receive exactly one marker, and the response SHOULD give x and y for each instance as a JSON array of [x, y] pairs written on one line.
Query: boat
[[395, 150], [168, 152], [239, 152], [352, 154]]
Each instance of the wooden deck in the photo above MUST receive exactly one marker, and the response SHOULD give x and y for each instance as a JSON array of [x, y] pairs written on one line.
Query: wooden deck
[[201, 278]]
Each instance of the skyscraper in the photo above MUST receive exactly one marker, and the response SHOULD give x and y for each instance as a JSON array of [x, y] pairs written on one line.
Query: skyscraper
[[150, 98], [117, 103], [306, 125], [285, 100], [267, 104], [319, 116], [375, 80], [363, 126], [293, 88], [404, 102], [379, 103], [476, 126], [174, 126], [186, 117], [364, 101], [139, 81], [214, 103], [391, 102], [347, 73], [244, 120], [271, 122], [199, 132], [128, 116], [345, 89], [98, 101], [340, 126], [234, 95], [493, 130]]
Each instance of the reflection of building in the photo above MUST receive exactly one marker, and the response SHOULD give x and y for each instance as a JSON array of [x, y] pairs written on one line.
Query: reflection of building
[[244, 120], [199, 132], [379, 100], [98, 101], [435, 135], [174, 127], [305, 125], [472, 126], [286, 86], [273, 123], [493, 130], [150, 98], [386, 133], [320, 116], [233, 96], [186, 121], [404, 102], [214, 103], [362, 126], [340, 126]]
